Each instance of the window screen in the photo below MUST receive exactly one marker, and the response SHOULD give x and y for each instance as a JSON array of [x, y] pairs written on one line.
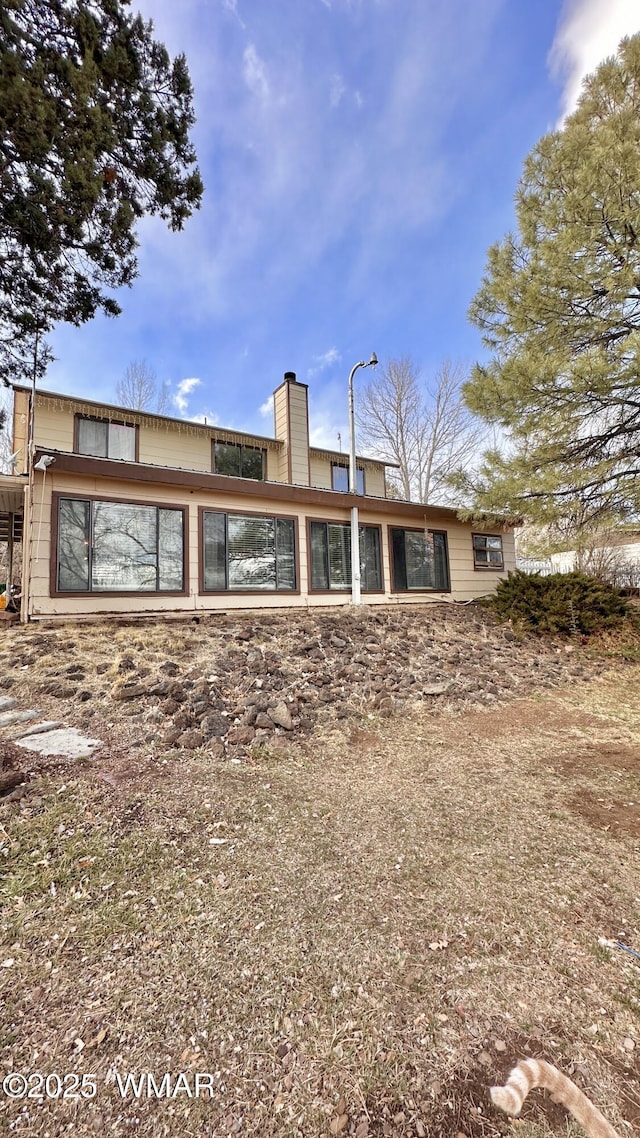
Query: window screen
[[73, 545], [340, 478], [251, 553], [122, 442], [124, 548], [238, 461], [419, 560], [103, 439], [119, 547], [331, 556], [92, 438], [246, 552]]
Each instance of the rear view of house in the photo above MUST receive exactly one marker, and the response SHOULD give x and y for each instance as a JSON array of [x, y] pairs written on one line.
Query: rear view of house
[[130, 512]]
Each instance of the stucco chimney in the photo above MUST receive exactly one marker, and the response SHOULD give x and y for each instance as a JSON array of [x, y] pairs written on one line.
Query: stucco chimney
[[291, 414]]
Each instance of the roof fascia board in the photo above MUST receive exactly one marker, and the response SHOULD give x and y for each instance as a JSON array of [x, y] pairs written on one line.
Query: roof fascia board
[[246, 487]]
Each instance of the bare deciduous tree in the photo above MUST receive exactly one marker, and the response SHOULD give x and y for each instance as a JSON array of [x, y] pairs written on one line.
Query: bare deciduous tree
[[140, 389], [424, 428]]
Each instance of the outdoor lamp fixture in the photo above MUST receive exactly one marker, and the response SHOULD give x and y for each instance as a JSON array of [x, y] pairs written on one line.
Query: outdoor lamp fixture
[[43, 462], [353, 487]]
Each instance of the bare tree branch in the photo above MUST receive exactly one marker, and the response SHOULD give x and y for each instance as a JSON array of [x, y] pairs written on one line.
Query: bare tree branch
[[140, 390], [425, 429], [5, 430]]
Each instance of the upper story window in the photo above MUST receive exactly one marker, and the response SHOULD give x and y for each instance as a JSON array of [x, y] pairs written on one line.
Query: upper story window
[[239, 461], [487, 551], [106, 438], [340, 477]]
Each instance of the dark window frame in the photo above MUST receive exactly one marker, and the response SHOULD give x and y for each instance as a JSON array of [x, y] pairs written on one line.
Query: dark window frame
[[241, 447], [483, 566], [91, 499], [347, 589], [418, 529], [283, 592], [107, 421], [359, 470]]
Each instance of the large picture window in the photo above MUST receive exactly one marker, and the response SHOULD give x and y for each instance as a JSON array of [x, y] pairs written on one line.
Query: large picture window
[[106, 547], [340, 477], [487, 551], [419, 560], [102, 438], [246, 552], [239, 461], [331, 556]]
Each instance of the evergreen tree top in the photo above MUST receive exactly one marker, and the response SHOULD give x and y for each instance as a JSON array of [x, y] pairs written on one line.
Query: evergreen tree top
[[94, 134], [559, 309]]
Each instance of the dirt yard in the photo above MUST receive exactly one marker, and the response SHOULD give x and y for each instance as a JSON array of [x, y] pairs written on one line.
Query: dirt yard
[[352, 915]]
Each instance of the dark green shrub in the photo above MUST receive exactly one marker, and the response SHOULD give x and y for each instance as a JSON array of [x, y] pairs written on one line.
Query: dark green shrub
[[562, 602]]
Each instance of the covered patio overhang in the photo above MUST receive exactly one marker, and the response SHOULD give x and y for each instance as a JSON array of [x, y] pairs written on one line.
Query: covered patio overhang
[[12, 491]]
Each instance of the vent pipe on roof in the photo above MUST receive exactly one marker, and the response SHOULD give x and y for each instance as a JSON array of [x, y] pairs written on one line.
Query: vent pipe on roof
[[290, 375]]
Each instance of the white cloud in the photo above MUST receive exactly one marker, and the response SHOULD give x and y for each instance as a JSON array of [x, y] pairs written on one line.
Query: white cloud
[[328, 416], [326, 360], [255, 73], [588, 32], [266, 408], [185, 387], [232, 6], [325, 433]]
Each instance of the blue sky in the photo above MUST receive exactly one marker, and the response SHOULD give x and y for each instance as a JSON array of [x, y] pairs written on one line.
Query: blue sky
[[359, 157]]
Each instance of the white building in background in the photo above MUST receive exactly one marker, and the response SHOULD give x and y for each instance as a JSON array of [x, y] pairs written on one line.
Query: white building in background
[[617, 561]]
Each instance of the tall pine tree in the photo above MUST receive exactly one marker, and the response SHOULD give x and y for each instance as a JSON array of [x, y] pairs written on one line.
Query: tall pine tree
[[94, 134], [559, 308]]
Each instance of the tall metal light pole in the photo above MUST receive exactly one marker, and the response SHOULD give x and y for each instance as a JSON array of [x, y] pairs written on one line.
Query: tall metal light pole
[[353, 487]]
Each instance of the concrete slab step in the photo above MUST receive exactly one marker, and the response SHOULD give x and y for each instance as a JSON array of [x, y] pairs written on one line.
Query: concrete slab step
[[67, 741]]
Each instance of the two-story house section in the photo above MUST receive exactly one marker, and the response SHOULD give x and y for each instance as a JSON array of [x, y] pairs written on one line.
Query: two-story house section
[[129, 512]]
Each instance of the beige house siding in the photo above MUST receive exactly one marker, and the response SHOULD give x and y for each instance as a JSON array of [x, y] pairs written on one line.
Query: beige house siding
[[465, 581], [188, 446], [53, 428], [320, 471], [281, 421], [20, 429], [374, 479], [299, 435], [167, 446], [292, 426], [161, 442], [274, 460]]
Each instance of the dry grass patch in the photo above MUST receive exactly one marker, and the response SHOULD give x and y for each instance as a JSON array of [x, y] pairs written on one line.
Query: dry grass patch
[[356, 933]]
